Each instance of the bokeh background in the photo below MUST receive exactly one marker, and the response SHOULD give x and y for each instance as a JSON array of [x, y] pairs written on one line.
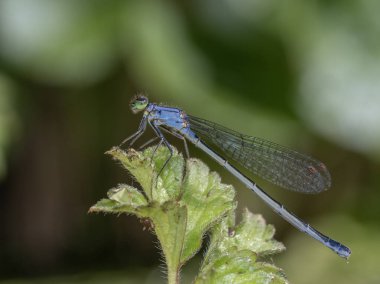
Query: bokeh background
[[305, 74]]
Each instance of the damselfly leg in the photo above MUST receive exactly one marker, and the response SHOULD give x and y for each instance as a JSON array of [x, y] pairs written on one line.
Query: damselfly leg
[[162, 141], [175, 134], [150, 141], [179, 136], [140, 131]]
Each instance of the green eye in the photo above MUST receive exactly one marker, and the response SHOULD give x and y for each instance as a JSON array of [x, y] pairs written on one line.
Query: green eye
[[138, 103]]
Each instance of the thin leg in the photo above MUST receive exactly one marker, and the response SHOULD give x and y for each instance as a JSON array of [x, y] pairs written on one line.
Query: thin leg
[[163, 140], [155, 148], [149, 142], [135, 135], [186, 148], [175, 134], [179, 136], [168, 159]]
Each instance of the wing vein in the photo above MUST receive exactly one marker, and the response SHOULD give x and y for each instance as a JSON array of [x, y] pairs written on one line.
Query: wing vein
[[274, 163]]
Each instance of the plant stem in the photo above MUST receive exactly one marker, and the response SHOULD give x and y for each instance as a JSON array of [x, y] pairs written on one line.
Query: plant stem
[[173, 275]]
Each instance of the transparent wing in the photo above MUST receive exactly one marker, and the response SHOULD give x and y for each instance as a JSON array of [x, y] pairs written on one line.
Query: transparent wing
[[274, 163]]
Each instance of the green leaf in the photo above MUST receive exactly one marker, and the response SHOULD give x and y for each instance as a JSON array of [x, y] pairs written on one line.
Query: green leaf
[[207, 200], [123, 199], [168, 184], [182, 204], [126, 194], [169, 221], [137, 164], [241, 267], [233, 252]]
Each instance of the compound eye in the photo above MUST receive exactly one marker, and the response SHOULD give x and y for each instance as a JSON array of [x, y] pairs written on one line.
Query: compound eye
[[138, 103]]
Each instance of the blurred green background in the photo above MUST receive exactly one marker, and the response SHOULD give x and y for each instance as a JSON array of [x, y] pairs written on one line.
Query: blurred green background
[[304, 74]]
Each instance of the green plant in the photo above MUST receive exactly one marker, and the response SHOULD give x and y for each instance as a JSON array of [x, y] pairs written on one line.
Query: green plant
[[183, 203]]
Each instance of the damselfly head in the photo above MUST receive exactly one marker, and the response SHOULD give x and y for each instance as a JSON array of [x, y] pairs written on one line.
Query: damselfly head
[[138, 103]]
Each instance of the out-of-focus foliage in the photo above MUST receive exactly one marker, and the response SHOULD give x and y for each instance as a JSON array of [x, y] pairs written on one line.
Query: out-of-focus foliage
[[59, 41], [300, 73], [8, 120], [337, 51]]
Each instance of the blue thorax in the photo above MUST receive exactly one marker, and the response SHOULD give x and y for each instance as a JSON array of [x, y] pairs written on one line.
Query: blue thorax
[[170, 117]]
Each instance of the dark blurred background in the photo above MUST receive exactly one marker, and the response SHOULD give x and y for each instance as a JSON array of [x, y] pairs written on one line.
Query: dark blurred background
[[304, 74]]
